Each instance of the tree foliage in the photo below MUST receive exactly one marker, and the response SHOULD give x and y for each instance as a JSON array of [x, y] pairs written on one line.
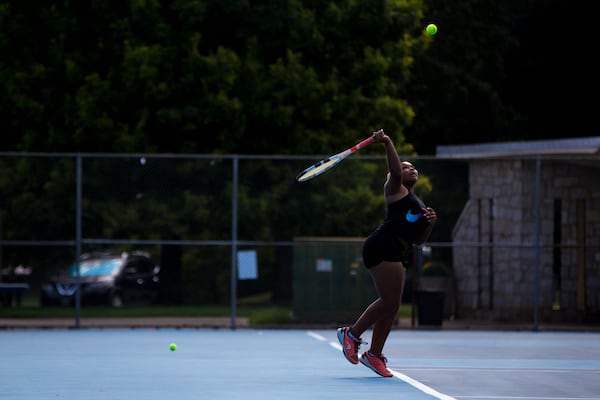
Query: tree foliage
[[288, 76], [206, 76]]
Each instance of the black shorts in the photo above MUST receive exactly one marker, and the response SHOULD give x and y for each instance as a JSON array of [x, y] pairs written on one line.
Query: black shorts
[[380, 246]]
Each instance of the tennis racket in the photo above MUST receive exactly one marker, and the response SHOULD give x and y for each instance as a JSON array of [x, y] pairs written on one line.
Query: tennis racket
[[329, 162]]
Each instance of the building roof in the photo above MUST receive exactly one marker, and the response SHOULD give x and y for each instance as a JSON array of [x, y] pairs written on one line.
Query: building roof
[[587, 146]]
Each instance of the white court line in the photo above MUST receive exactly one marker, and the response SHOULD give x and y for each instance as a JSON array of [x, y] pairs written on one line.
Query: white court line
[[317, 336], [527, 398], [420, 386], [498, 370], [424, 388]]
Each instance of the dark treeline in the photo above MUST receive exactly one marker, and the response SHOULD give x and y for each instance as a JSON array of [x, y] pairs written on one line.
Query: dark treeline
[[204, 76], [279, 77]]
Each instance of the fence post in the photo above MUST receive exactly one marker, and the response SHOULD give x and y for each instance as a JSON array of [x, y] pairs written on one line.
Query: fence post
[[234, 206], [78, 242], [537, 243]]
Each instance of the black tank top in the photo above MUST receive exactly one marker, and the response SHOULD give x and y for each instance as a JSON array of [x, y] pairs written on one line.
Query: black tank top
[[405, 219]]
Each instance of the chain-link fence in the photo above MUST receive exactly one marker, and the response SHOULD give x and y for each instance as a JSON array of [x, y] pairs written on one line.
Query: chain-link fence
[[516, 239]]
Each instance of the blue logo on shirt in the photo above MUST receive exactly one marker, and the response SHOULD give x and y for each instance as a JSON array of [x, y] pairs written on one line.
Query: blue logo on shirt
[[410, 217]]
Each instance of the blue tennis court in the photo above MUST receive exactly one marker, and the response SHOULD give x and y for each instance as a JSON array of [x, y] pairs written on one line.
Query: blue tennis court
[[294, 364]]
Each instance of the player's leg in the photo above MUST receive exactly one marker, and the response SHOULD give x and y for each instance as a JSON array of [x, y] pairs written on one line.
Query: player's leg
[[389, 278], [389, 282]]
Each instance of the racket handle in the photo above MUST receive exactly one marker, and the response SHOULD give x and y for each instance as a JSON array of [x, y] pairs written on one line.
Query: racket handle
[[362, 144]]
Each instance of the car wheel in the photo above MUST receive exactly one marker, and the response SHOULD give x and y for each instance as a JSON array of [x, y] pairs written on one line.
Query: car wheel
[[116, 300]]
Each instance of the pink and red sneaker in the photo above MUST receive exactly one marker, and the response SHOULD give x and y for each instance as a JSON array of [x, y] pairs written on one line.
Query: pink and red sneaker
[[349, 345], [376, 363]]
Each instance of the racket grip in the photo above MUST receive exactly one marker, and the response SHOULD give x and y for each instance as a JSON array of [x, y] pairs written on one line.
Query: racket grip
[[364, 143]]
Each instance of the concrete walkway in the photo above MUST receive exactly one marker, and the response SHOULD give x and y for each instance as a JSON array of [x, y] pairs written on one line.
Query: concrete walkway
[[145, 322]]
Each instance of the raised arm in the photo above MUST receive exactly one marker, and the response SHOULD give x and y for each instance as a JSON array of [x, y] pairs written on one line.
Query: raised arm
[[393, 188]]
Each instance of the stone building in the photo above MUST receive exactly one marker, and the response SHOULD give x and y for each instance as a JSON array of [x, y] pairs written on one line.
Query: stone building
[[527, 243]]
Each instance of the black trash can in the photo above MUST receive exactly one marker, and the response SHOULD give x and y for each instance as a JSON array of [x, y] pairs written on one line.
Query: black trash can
[[430, 307]]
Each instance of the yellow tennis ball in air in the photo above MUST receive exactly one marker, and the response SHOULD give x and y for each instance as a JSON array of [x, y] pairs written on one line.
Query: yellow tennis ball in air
[[431, 29], [172, 347]]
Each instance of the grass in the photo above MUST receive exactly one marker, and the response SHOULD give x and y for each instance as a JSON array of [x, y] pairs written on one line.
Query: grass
[[258, 309], [257, 315]]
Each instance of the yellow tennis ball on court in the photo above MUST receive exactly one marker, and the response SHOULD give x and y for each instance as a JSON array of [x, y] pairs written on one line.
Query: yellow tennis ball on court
[[431, 29], [172, 347]]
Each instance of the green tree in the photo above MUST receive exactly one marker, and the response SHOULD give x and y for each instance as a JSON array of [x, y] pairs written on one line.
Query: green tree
[[205, 76]]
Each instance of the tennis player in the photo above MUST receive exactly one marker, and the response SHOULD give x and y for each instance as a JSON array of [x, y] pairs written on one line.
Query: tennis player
[[408, 222]]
